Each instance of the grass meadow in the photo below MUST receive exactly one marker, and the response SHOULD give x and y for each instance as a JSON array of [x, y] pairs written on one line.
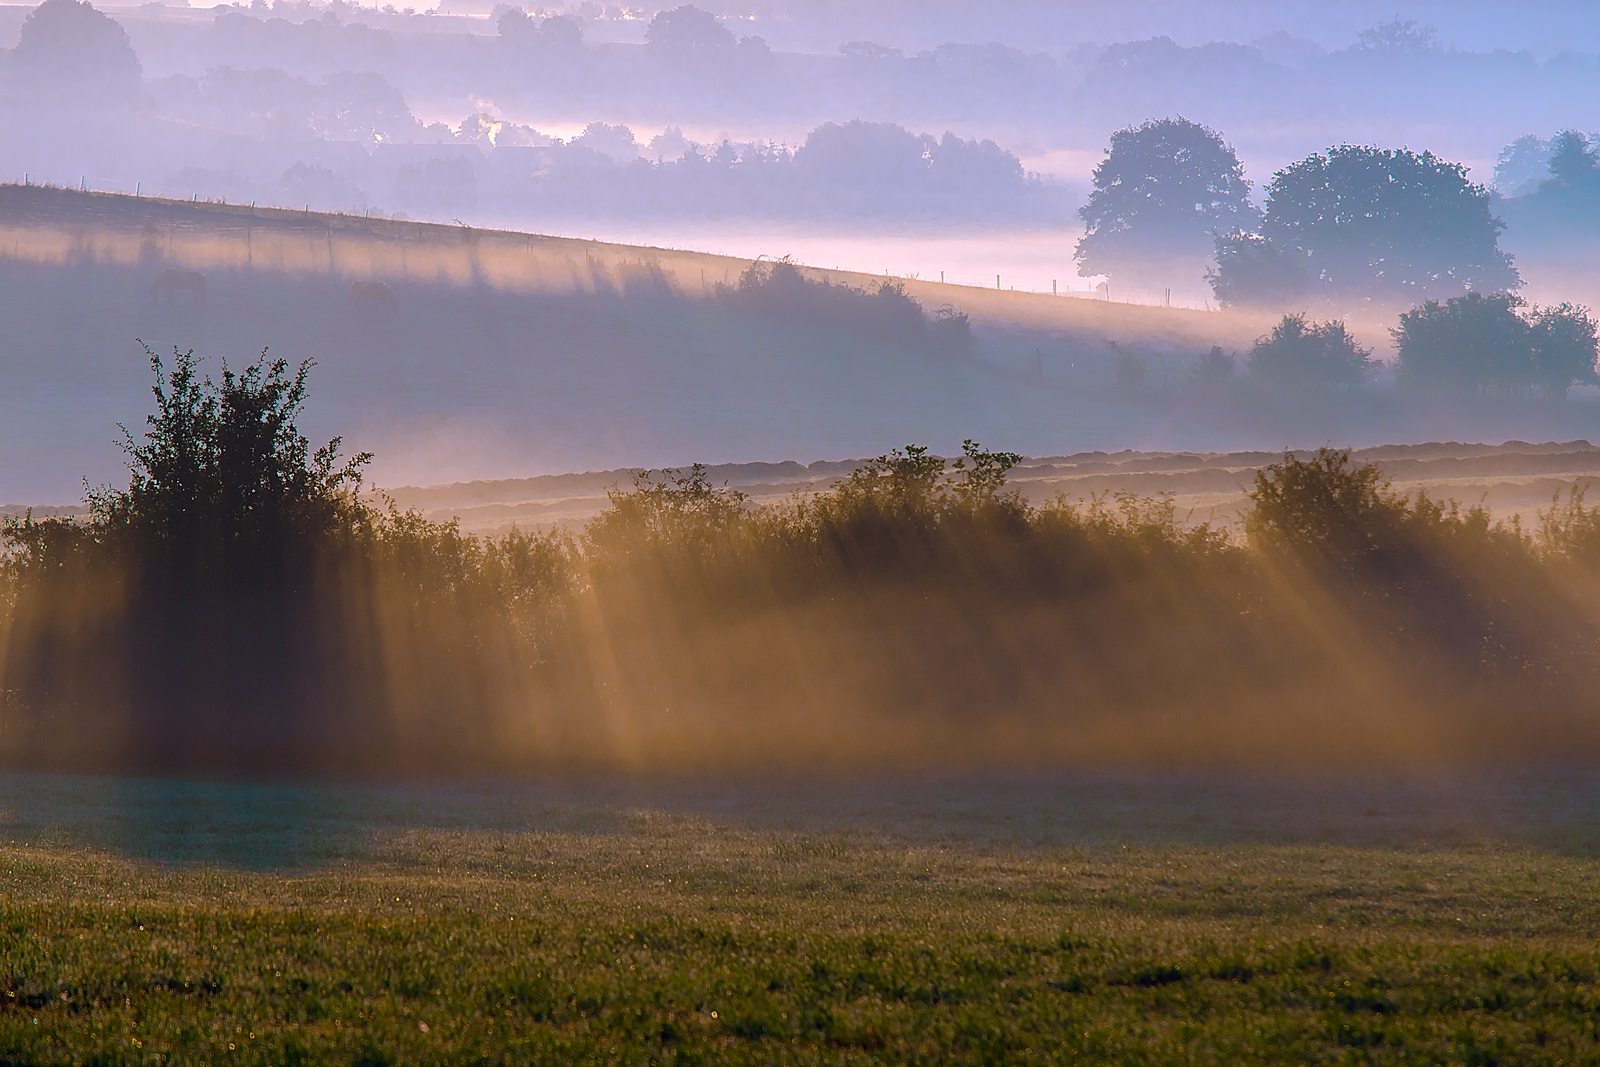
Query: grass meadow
[[1091, 918]]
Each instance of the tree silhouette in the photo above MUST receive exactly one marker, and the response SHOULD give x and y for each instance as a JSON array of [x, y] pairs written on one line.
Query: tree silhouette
[[1402, 36], [1164, 188], [69, 48], [1496, 344], [1376, 223], [1522, 165], [1572, 159], [689, 33], [1252, 270], [223, 478], [1301, 352]]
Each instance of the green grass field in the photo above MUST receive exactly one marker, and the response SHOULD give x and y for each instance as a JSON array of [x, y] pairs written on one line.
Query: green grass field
[[1090, 919]]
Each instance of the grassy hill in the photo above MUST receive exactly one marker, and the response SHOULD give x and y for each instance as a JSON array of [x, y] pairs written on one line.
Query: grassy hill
[[515, 355]]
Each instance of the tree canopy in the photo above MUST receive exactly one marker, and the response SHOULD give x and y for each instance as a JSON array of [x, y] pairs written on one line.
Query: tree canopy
[[1496, 344], [223, 476], [1572, 159], [1301, 352], [1381, 224], [1164, 188], [70, 47], [687, 31]]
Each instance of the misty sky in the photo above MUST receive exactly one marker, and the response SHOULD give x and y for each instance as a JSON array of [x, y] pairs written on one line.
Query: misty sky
[[932, 138]]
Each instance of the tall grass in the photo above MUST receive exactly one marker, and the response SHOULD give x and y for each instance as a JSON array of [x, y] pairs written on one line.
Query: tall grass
[[918, 614]]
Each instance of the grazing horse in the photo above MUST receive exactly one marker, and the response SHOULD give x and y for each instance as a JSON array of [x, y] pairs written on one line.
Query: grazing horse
[[170, 279], [361, 292]]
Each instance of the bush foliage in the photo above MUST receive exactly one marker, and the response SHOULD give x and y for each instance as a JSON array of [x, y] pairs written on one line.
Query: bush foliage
[[239, 607], [1497, 344], [1302, 352]]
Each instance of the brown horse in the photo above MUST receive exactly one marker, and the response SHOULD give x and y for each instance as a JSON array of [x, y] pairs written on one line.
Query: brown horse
[[361, 292], [190, 280]]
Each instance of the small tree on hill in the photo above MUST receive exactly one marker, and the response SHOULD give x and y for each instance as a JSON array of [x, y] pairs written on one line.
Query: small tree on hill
[[1397, 37], [1301, 352], [1164, 188], [688, 33], [224, 478]]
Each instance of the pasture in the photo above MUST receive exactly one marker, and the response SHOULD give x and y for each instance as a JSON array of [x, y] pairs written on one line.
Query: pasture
[[1097, 918]]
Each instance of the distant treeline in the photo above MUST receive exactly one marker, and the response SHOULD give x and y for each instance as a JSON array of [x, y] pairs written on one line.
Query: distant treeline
[[840, 170], [306, 103], [693, 62], [236, 608]]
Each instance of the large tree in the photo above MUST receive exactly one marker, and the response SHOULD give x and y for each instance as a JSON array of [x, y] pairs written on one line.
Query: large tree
[[688, 33], [69, 49], [1390, 225], [1163, 190]]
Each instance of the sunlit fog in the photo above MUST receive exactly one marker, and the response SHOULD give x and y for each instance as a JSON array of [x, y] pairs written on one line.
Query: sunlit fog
[[805, 532]]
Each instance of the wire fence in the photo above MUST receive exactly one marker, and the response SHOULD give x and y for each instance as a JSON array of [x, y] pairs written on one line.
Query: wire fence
[[1029, 281]]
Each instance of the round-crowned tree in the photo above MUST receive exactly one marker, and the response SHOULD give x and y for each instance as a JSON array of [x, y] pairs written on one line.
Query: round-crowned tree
[[1163, 190], [1389, 225], [687, 32], [69, 49], [1299, 352]]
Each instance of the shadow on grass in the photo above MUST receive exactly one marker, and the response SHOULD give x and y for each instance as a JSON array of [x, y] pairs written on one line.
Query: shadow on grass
[[309, 825]]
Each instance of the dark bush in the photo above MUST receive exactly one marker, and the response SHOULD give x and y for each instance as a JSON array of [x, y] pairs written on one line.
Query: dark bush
[[1496, 344], [1301, 352], [239, 609]]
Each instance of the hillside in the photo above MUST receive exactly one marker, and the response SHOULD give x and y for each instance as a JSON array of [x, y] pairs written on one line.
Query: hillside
[[515, 355]]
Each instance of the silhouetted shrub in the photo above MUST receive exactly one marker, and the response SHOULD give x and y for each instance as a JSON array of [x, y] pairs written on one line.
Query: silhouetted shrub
[[1213, 369], [1571, 529], [1301, 352], [917, 611], [1127, 371]]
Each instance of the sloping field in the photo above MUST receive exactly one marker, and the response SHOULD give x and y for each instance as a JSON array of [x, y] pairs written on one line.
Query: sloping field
[[515, 355]]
